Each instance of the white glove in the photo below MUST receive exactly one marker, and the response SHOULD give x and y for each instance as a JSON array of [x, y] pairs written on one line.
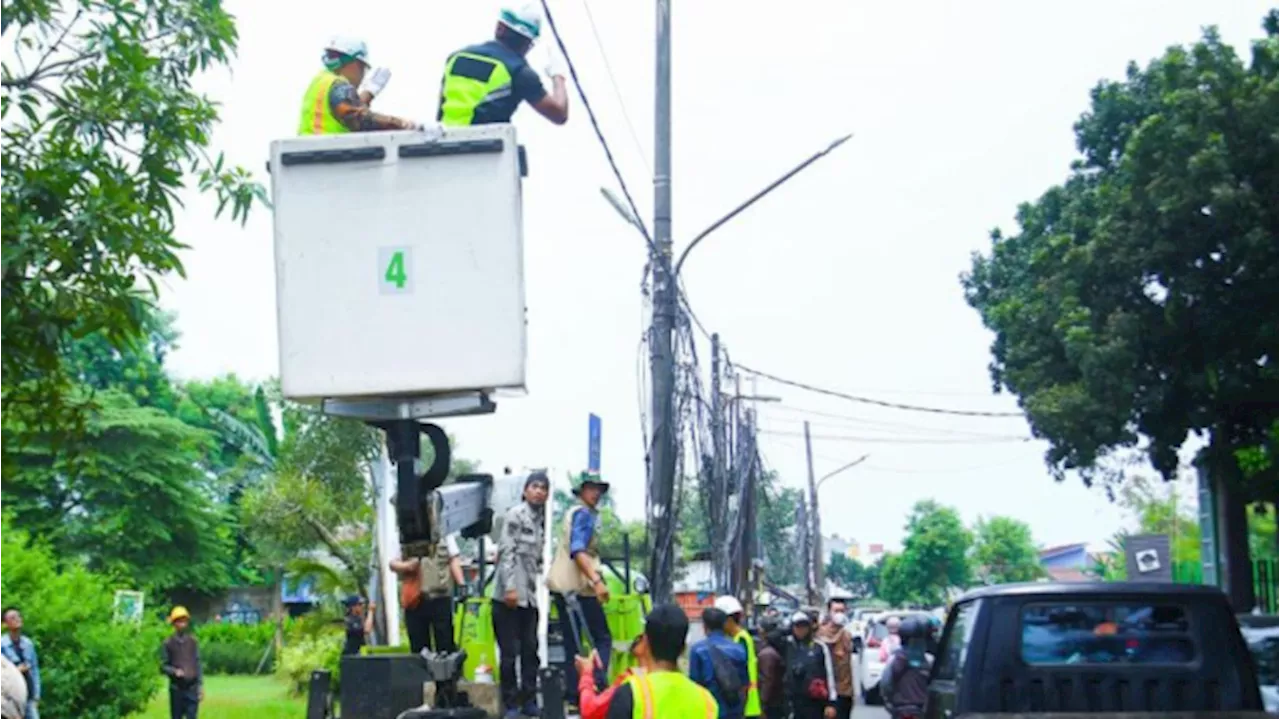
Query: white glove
[[376, 81], [555, 65]]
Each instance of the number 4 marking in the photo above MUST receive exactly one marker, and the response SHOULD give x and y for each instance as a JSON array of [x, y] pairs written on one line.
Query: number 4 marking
[[396, 274]]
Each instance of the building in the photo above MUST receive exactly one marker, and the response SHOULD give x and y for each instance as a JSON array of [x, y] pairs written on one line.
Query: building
[[1067, 562]]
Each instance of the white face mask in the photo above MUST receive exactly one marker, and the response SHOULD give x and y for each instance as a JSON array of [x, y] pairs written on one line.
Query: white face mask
[[839, 618]]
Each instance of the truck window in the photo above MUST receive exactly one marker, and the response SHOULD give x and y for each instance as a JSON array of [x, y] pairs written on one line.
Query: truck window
[[951, 655], [1106, 633]]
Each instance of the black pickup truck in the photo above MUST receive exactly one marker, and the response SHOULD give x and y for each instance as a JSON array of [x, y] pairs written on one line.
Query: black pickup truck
[[1119, 649]]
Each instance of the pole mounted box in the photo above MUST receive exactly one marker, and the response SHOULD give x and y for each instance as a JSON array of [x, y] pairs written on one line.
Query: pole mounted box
[[399, 263]]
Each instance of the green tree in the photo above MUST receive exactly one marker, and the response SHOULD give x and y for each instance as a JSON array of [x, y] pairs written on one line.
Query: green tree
[[1004, 551], [91, 666], [862, 581], [101, 121], [1136, 304], [128, 495], [934, 557], [775, 524]]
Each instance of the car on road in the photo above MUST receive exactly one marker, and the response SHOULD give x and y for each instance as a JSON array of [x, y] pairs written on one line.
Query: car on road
[[872, 660], [858, 617]]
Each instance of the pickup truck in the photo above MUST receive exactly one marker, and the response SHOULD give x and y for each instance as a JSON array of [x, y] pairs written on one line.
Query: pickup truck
[[1126, 649]]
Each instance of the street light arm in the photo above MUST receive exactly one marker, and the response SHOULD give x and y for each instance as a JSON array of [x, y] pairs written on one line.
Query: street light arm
[[755, 198], [850, 465]]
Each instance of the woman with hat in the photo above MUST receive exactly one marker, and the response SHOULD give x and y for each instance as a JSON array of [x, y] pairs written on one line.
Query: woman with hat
[[575, 578]]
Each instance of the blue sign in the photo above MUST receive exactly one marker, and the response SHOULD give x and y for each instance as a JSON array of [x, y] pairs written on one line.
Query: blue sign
[[593, 444]]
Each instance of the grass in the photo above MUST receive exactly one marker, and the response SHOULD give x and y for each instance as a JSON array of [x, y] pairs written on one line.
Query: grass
[[234, 697]]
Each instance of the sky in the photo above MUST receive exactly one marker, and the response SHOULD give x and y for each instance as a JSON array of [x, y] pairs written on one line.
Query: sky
[[845, 278]]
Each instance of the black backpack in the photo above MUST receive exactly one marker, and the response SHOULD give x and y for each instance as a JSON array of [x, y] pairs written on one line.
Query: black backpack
[[727, 678]]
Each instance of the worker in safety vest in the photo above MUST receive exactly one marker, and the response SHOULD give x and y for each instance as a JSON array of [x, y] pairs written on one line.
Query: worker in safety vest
[[337, 100], [485, 83], [656, 688], [734, 630]]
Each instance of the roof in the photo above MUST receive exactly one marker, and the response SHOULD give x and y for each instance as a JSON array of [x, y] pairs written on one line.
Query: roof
[[1103, 588], [1061, 549]]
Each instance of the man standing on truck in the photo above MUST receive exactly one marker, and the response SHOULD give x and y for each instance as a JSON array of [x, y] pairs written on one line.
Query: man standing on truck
[[515, 594], [575, 578], [485, 84], [810, 681], [332, 103], [734, 629]]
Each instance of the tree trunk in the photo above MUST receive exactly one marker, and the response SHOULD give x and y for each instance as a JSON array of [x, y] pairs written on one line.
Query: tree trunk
[[277, 609]]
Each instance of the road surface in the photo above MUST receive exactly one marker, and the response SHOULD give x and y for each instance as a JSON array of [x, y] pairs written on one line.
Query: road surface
[[862, 711]]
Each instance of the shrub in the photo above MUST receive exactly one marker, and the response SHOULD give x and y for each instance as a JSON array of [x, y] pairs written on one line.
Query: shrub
[[305, 654], [235, 648], [90, 667]]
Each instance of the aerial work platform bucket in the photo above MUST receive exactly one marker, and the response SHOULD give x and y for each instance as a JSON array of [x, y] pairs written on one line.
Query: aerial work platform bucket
[[399, 264]]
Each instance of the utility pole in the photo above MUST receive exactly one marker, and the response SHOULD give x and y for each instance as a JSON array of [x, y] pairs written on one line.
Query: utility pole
[[815, 532], [716, 498], [662, 454]]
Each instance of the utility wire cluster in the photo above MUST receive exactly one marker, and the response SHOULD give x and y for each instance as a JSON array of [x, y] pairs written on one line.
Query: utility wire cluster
[[716, 436]]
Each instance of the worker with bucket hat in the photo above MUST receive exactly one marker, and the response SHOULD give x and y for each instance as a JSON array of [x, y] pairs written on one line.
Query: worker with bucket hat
[[181, 654], [485, 83], [574, 577], [337, 100]]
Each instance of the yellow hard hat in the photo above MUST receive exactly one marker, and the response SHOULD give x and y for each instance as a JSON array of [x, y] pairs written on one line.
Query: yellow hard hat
[[179, 612]]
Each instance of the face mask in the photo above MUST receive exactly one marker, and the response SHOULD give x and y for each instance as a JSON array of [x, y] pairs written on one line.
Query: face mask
[[839, 618]]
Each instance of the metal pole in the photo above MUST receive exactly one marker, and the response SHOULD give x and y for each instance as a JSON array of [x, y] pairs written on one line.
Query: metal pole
[[662, 454], [818, 585], [716, 484]]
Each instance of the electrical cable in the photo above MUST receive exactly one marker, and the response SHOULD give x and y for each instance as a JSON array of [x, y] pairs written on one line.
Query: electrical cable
[[595, 124], [608, 68], [860, 423], [895, 440], [876, 402]]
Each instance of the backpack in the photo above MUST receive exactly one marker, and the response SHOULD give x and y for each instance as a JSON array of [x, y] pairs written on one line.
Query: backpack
[[732, 690]]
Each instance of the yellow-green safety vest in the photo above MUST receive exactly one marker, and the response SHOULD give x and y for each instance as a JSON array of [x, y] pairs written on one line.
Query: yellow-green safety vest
[[316, 117], [460, 95], [753, 674], [670, 695]]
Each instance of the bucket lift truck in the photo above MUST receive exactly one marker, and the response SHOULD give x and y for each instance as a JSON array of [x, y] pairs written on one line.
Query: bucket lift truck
[[400, 299]]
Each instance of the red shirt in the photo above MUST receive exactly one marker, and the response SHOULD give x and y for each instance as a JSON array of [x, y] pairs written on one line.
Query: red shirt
[[593, 704]]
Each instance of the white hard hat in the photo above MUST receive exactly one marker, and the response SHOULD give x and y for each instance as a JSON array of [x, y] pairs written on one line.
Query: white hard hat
[[352, 47], [729, 605], [525, 21], [801, 617]]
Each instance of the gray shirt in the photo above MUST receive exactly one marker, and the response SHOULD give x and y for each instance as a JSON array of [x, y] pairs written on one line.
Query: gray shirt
[[520, 554]]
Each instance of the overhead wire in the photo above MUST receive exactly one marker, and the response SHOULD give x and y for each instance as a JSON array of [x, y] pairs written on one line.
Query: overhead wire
[[875, 402], [608, 68], [897, 440], [595, 124], [846, 422]]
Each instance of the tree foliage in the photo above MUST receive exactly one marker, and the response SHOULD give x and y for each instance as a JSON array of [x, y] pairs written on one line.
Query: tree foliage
[[101, 122], [775, 524], [934, 558], [1004, 551], [89, 665], [128, 495], [862, 581], [1137, 302]]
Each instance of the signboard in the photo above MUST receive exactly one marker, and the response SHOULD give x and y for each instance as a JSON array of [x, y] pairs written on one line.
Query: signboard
[[128, 606], [593, 444], [1147, 558]]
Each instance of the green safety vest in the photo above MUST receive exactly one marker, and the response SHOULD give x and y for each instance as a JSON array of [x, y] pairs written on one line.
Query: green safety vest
[[670, 695], [753, 674], [317, 117], [460, 95]]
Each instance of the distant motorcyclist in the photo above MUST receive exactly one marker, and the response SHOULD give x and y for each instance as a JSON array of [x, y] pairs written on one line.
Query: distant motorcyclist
[[904, 685]]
